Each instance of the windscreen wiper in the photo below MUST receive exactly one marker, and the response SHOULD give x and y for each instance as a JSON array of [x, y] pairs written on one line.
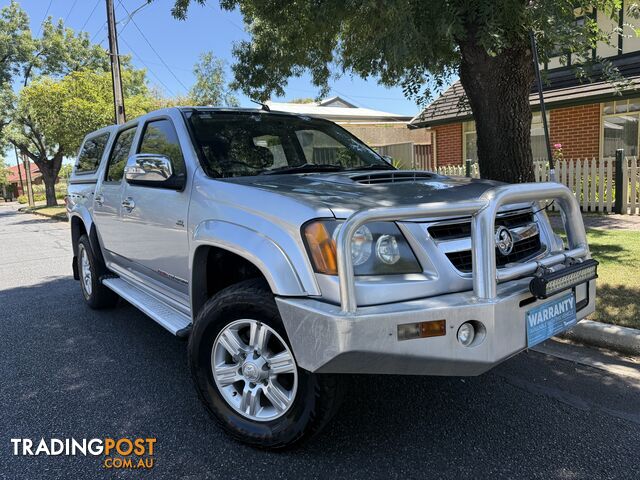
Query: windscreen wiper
[[305, 167]]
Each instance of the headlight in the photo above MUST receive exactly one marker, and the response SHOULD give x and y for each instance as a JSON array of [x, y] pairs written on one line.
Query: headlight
[[361, 244], [377, 248], [387, 249]]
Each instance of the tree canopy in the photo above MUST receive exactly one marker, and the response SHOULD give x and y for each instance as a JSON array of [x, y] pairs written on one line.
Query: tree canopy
[[421, 46], [415, 44], [66, 90], [210, 87], [63, 111]]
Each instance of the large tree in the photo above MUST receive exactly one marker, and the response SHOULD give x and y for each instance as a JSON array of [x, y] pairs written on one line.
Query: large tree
[[422, 45], [56, 103], [53, 115]]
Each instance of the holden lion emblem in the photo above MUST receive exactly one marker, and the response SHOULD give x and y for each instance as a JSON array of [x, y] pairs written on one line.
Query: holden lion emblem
[[504, 240]]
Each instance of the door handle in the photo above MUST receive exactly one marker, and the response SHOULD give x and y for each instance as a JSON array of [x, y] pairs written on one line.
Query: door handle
[[128, 204], [99, 198]]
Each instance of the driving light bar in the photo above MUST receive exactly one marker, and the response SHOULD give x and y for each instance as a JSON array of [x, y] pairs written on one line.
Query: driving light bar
[[548, 284]]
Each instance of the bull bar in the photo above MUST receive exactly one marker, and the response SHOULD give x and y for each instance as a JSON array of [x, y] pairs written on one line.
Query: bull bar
[[483, 211]]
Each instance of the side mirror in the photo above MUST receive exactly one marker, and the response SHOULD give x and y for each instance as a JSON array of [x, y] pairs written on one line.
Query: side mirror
[[151, 170], [388, 159]]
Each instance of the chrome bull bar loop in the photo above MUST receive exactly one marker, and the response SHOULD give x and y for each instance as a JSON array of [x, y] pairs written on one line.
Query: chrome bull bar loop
[[483, 212]]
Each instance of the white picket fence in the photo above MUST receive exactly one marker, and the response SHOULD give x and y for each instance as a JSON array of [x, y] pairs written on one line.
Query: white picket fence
[[591, 179]]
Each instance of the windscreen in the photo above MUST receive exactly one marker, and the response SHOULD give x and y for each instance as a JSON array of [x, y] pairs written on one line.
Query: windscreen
[[247, 144]]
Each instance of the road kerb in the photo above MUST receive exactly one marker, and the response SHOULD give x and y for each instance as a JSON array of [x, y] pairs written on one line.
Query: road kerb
[[614, 337]]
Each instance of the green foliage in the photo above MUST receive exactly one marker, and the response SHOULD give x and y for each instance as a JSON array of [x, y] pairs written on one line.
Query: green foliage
[[60, 51], [64, 111], [301, 100], [413, 43], [420, 45], [66, 89], [40, 197], [61, 188], [211, 87], [16, 43], [65, 171], [4, 172]]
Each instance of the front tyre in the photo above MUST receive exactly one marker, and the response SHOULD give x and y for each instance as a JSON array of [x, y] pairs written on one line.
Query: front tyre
[[246, 374]]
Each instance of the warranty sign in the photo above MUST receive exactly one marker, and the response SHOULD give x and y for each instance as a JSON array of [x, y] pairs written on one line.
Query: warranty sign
[[550, 318]]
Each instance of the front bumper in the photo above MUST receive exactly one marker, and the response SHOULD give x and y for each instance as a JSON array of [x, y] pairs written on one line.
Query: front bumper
[[327, 340]]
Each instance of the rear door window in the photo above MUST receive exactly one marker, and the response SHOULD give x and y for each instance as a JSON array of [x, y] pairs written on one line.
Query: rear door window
[[91, 154], [119, 155]]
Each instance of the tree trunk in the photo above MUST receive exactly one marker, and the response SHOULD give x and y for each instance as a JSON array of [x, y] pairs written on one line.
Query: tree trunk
[[49, 189], [498, 89], [50, 170]]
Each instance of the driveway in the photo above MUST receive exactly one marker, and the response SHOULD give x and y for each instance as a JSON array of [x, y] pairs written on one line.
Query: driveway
[[68, 371]]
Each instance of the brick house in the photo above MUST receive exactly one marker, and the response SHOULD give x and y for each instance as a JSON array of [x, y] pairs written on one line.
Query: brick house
[[16, 180], [590, 119]]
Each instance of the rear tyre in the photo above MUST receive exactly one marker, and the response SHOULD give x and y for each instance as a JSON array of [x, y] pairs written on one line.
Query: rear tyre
[[95, 294], [245, 372]]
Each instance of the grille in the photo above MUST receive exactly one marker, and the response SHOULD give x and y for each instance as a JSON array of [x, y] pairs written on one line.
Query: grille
[[453, 231], [392, 177], [521, 251]]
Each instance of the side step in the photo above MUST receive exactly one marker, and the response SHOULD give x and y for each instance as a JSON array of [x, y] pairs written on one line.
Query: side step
[[166, 316]]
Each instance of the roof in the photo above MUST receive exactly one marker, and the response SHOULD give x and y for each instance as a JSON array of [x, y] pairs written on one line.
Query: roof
[[338, 110], [13, 176], [561, 88]]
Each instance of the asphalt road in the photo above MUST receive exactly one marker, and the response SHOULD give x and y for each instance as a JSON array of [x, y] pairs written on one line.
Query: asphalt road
[[67, 371]]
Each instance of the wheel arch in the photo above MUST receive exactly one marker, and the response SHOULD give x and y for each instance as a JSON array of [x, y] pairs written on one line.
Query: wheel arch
[[250, 249], [82, 224]]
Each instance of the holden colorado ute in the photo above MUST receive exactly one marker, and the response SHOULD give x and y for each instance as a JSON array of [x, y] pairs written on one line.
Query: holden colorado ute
[[288, 252]]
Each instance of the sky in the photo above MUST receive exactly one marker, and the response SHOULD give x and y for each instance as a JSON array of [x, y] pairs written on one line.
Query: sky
[[176, 45]]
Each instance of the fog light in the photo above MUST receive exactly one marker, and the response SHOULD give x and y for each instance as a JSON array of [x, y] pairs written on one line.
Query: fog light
[[466, 334]]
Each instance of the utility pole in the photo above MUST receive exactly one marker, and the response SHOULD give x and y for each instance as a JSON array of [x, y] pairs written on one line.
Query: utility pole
[[118, 97], [19, 171], [27, 171]]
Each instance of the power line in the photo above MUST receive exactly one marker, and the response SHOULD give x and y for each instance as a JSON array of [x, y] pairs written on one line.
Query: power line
[[228, 19], [147, 66], [154, 50], [90, 15], [73, 5], [126, 20], [97, 32], [175, 67], [130, 16], [44, 18]]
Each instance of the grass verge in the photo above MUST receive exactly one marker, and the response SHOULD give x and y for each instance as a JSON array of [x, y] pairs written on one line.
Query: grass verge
[[57, 213], [618, 292]]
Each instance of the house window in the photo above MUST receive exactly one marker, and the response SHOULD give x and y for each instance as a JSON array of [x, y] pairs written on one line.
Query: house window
[[620, 127], [469, 137], [538, 142]]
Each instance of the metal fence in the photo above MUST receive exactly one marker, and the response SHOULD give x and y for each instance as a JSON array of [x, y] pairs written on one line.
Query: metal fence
[[409, 155]]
